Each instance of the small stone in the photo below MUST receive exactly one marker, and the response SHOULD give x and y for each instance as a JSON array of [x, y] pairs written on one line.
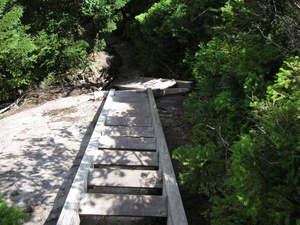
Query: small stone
[[29, 209], [14, 193]]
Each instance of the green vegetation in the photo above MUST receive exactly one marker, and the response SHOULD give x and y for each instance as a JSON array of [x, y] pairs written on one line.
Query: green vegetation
[[243, 57], [10, 215], [42, 40], [168, 34]]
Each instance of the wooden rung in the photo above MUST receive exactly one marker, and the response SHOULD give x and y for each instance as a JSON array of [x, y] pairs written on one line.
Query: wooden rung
[[140, 121], [137, 98], [126, 106], [126, 191], [111, 177], [122, 205], [128, 131], [130, 93], [125, 158], [130, 113], [129, 143]]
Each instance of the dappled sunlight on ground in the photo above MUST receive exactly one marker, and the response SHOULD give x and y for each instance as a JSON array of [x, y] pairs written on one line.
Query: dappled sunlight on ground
[[38, 148]]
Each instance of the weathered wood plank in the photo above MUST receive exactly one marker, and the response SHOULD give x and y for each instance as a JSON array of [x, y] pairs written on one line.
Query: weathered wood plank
[[139, 121], [145, 112], [123, 205], [140, 83], [125, 158], [184, 84], [135, 112], [129, 93], [129, 143], [170, 91], [128, 131], [127, 106], [69, 214], [129, 109], [134, 98], [176, 213], [111, 177]]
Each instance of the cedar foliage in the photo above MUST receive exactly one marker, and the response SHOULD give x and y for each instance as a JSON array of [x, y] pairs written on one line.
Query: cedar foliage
[[11, 215], [167, 35], [42, 40], [243, 56]]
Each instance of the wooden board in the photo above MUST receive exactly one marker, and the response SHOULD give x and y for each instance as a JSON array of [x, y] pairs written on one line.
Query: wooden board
[[125, 158], [140, 121], [130, 96], [170, 91], [130, 113], [129, 105], [142, 83], [136, 98], [129, 93], [130, 143], [123, 205], [128, 131], [69, 214], [110, 177], [176, 213]]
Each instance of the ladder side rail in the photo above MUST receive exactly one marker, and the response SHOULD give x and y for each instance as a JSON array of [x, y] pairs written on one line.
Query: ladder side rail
[[70, 212], [176, 213]]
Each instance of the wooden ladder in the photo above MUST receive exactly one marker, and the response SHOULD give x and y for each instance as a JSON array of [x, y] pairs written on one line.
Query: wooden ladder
[[126, 169]]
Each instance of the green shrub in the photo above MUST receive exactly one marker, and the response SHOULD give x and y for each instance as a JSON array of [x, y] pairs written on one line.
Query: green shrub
[[16, 49], [167, 35], [266, 162], [201, 161], [245, 116], [42, 40], [10, 215]]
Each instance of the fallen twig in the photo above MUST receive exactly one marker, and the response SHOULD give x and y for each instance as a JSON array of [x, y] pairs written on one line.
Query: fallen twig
[[13, 104]]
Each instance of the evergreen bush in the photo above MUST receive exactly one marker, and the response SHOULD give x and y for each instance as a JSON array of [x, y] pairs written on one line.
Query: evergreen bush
[[245, 152], [10, 215]]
